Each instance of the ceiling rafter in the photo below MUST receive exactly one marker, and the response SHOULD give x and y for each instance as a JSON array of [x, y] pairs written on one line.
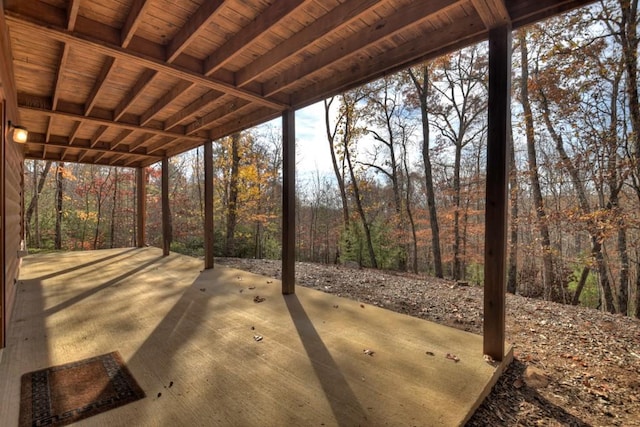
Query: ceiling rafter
[[134, 93], [105, 47], [412, 51], [210, 118], [191, 109], [493, 13], [72, 14], [98, 86], [84, 144], [133, 20], [68, 110], [163, 102], [99, 133], [336, 19], [249, 34], [384, 29], [121, 137], [192, 29]]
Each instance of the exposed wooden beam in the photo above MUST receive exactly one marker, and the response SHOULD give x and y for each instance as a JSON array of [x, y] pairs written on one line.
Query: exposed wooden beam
[[427, 46], [92, 41], [192, 29], [158, 145], [96, 137], [134, 93], [498, 145], [191, 109], [254, 118], [144, 139], [118, 139], [101, 117], [85, 144], [59, 73], [492, 12], [217, 114], [98, 86], [288, 202], [141, 206], [384, 29], [208, 205], [133, 20], [243, 38], [340, 16], [163, 102], [72, 13]]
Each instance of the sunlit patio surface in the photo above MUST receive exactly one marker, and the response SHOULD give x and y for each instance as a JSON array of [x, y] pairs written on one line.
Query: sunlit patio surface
[[207, 353]]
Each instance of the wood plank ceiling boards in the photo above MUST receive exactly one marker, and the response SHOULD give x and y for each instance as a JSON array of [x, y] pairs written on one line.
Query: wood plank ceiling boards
[[128, 82]]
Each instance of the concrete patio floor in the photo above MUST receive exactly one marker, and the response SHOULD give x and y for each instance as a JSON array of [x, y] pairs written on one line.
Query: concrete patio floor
[[176, 324]]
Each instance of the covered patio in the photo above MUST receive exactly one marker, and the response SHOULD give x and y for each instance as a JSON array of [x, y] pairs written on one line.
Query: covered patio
[[176, 324], [131, 83]]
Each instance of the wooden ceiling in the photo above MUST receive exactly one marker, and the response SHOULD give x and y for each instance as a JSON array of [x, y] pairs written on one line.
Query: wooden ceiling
[[128, 82]]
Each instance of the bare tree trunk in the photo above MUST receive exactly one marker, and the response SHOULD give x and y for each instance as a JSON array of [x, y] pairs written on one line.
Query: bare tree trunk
[[596, 238], [59, 198], [512, 273], [423, 90], [549, 279], [457, 239], [331, 135], [33, 204], [113, 210], [232, 212]]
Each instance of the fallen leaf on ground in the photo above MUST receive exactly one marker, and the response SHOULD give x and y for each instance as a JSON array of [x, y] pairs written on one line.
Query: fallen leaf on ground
[[430, 353], [368, 352], [453, 357], [257, 337], [258, 299]]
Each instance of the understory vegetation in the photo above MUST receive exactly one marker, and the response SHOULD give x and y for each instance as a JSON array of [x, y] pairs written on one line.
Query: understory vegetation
[[405, 186]]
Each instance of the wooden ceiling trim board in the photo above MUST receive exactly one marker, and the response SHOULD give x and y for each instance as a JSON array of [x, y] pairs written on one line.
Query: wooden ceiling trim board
[[108, 65], [42, 105], [336, 19], [48, 131], [107, 48], [192, 29], [249, 34], [82, 155], [191, 109], [215, 115], [384, 29], [116, 159], [134, 93], [99, 157], [133, 20], [492, 12], [72, 14], [163, 102]]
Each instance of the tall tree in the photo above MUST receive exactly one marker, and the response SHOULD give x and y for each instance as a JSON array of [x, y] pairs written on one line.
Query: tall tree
[[33, 204], [550, 283], [232, 206], [420, 79], [59, 198]]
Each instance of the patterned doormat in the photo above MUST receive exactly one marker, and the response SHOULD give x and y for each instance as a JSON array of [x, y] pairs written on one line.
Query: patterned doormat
[[64, 394]]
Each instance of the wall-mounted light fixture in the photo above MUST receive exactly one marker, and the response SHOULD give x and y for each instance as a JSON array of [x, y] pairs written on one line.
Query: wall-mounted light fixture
[[18, 133]]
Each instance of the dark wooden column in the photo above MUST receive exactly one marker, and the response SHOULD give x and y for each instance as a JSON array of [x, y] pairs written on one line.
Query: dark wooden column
[[208, 204], [495, 243], [166, 212], [141, 206], [288, 201]]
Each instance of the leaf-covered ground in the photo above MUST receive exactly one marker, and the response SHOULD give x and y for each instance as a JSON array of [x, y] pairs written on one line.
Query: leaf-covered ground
[[573, 366]]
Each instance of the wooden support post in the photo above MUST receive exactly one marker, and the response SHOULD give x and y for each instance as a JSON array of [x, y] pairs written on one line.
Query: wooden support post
[[288, 201], [208, 204], [141, 207], [166, 212], [495, 244]]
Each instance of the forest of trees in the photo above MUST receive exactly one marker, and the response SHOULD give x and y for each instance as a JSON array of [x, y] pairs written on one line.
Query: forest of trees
[[407, 192]]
